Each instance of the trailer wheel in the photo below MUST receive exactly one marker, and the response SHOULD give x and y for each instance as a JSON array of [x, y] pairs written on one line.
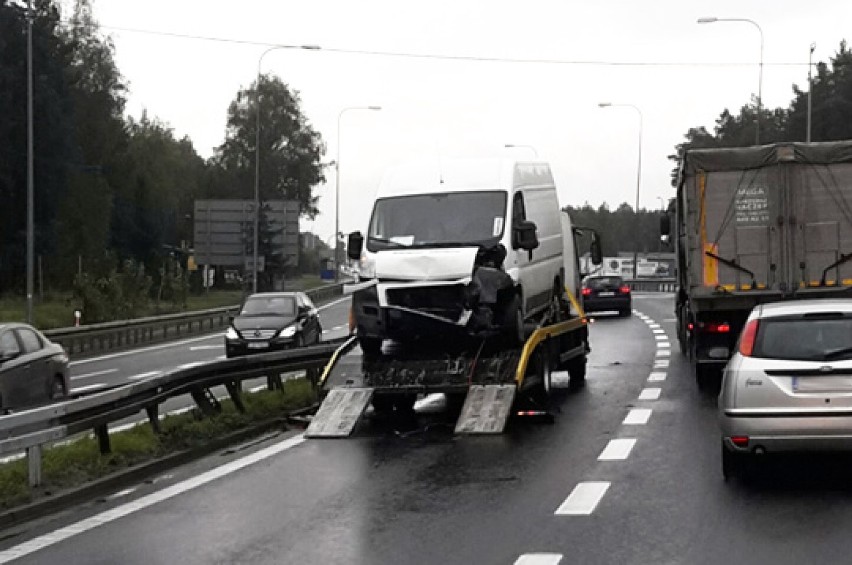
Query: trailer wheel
[[540, 369]]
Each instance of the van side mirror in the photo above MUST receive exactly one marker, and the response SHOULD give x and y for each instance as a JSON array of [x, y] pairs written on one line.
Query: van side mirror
[[524, 236], [354, 245], [665, 225]]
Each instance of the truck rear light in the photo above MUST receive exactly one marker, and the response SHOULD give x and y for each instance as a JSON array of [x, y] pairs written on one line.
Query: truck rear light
[[714, 327], [587, 291], [740, 441], [748, 337], [624, 289]]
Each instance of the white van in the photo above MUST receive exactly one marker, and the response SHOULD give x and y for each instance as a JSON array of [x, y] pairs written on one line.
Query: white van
[[473, 245]]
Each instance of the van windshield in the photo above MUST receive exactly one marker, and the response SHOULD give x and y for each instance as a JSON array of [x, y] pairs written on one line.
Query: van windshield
[[438, 220]]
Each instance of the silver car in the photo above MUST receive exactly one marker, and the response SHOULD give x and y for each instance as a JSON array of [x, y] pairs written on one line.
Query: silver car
[[788, 387]]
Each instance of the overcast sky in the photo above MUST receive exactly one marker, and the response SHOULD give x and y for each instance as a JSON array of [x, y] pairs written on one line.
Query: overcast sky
[[467, 108]]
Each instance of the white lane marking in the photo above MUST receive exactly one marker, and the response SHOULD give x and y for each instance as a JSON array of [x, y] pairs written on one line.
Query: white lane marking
[[660, 337], [125, 427], [203, 347], [141, 376], [654, 326], [661, 364], [338, 328], [663, 352], [190, 365], [539, 559], [664, 344], [637, 417], [658, 331], [95, 374], [121, 493], [175, 343], [656, 377], [326, 332], [257, 388], [128, 508], [650, 394], [583, 499], [85, 388], [220, 357], [670, 320], [617, 450]]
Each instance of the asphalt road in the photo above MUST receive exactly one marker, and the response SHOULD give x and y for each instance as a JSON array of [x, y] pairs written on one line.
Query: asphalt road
[[628, 473]]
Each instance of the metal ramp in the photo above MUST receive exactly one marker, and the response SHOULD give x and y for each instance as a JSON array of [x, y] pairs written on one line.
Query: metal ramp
[[339, 412], [486, 409]]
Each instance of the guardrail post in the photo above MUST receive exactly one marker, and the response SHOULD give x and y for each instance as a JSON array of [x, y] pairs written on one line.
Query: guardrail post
[[34, 465], [234, 390], [273, 382], [153, 417], [102, 432], [206, 402]]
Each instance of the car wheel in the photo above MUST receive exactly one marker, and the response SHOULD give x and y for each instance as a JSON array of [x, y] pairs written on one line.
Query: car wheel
[[370, 345], [57, 388]]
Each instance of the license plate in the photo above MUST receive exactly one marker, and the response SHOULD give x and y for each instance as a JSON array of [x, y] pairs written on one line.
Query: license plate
[[606, 293], [261, 345], [823, 384]]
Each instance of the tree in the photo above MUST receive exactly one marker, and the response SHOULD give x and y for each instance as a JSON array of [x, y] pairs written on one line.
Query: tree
[[290, 149]]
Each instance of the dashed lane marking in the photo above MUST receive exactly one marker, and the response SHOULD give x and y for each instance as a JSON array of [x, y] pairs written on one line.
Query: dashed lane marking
[[656, 377], [583, 499], [660, 337], [661, 364], [663, 352], [637, 417], [95, 374], [127, 508], [203, 347], [617, 450], [539, 559], [650, 394], [142, 376], [658, 331], [85, 388], [664, 344]]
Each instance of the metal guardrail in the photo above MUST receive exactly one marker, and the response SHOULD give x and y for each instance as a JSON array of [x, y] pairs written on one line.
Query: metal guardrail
[[113, 336], [652, 285], [30, 430]]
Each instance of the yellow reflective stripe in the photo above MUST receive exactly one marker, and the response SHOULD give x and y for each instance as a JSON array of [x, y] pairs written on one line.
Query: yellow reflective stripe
[[540, 335], [334, 357], [575, 303]]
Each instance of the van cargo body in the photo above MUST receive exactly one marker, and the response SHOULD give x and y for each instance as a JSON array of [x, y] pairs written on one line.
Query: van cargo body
[[753, 225]]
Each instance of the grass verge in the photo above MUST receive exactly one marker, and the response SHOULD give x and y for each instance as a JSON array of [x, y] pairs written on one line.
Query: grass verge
[[75, 464]]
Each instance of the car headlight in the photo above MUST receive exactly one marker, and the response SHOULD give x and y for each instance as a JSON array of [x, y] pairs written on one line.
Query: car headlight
[[366, 267], [231, 333], [289, 331]]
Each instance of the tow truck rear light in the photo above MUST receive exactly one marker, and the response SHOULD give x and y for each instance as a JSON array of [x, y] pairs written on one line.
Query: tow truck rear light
[[714, 327], [748, 337], [587, 291], [740, 441], [624, 289]]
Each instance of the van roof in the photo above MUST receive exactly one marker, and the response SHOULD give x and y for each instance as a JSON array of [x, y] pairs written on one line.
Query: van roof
[[471, 174]]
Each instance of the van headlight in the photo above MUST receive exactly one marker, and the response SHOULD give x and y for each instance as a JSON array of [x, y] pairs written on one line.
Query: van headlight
[[289, 331], [366, 267], [231, 333]]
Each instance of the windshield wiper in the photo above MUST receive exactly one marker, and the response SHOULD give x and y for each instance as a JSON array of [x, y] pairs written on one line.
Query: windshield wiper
[[837, 353], [734, 265], [843, 259]]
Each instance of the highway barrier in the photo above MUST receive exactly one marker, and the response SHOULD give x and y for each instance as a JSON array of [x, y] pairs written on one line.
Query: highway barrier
[[30, 430], [652, 285], [96, 339]]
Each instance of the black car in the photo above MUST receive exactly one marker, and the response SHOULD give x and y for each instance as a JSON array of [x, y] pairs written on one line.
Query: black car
[[271, 321], [33, 369], [606, 294]]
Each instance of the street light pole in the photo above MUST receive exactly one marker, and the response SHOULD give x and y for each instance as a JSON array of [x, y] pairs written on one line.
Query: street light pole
[[530, 147], [638, 173], [257, 154], [337, 188], [810, 91], [30, 171], [711, 20]]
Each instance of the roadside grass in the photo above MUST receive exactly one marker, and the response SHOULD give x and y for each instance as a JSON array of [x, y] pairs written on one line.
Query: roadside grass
[[57, 308], [78, 462]]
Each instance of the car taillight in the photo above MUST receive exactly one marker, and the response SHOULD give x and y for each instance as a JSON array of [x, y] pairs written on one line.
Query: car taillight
[[587, 291], [748, 337], [624, 289], [715, 327]]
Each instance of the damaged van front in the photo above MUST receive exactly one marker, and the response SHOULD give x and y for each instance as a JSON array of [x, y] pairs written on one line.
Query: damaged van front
[[438, 261]]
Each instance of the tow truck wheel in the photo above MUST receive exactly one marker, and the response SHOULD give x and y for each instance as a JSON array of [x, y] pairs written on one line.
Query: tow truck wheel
[[577, 372], [370, 345], [514, 321]]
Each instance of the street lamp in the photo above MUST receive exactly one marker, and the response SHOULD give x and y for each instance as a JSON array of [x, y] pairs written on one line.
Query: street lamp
[[530, 147], [711, 20], [257, 153], [30, 174], [638, 173], [337, 188]]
